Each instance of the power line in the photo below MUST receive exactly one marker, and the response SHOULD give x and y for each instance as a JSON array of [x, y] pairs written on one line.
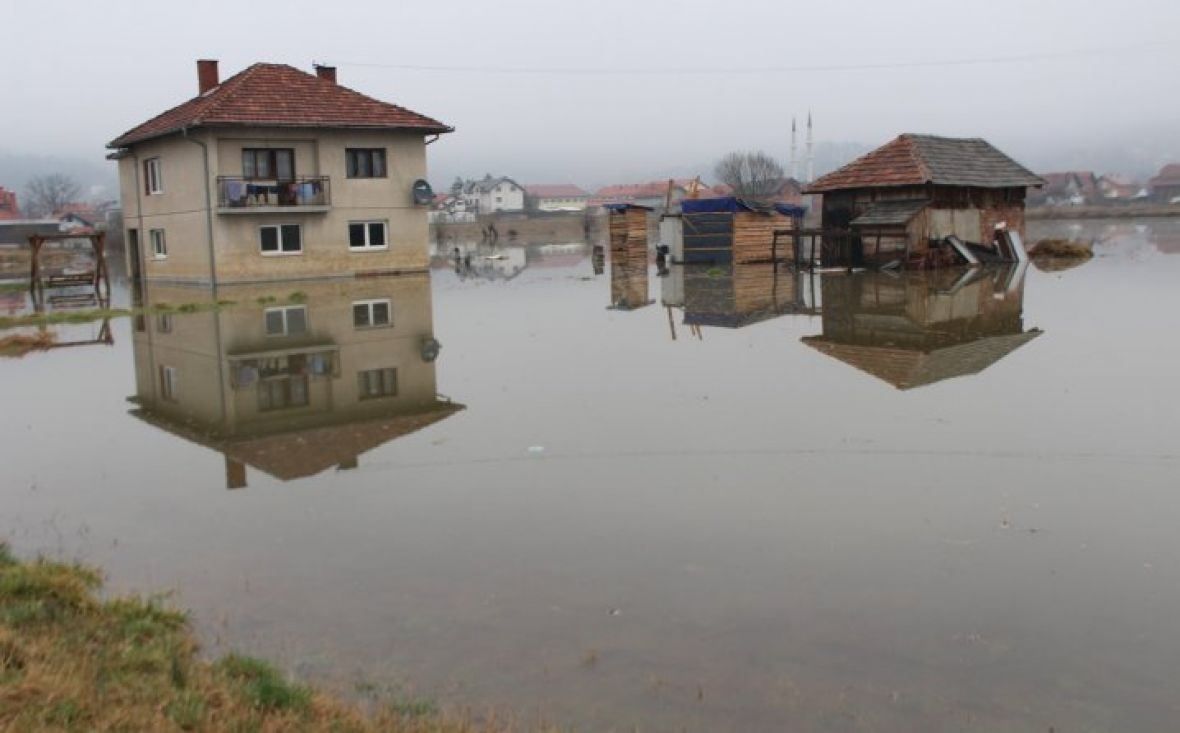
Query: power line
[[754, 70]]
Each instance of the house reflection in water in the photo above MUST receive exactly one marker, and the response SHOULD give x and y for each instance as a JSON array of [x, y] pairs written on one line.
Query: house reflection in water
[[919, 328], [291, 381]]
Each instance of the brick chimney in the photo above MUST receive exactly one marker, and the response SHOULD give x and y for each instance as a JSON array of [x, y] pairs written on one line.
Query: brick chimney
[[207, 77], [326, 72]]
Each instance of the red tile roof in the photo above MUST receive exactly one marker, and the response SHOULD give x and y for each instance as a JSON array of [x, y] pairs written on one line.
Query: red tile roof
[[1169, 175], [277, 95], [914, 160]]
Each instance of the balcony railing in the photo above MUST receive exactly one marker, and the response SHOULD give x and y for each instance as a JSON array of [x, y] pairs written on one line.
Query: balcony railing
[[235, 193]]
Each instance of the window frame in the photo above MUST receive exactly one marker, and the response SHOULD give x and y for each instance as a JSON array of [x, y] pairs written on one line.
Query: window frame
[[272, 163], [159, 242], [169, 383], [362, 382], [280, 252], [352, 163], [291, 386], [153, 176], [286, 329], [368, 305], [367, 246]]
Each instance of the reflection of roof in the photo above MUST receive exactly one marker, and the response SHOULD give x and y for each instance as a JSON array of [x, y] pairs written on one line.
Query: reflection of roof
[[885, 213], [909, 368], [914, 160], [280, 96], [299, 453]]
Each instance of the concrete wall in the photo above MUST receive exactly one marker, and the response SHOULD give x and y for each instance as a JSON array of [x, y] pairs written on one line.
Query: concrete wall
[[181, 209]]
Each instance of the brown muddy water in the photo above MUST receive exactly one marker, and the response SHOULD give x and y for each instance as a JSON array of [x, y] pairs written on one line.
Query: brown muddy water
[[880, 503]]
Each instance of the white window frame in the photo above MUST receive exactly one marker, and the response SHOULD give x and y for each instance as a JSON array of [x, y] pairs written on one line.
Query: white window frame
[[369, 307], [159, 244], [153, 170], [280, 252], [367, 247], [169, 383], [286, 330]]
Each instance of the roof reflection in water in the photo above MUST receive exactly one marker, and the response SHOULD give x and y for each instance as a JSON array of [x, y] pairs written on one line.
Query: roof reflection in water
[[918, 328], [291, 381]]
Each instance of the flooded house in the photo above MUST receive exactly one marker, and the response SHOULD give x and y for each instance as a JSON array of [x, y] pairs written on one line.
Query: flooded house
[[919, 328], [906, 201], [291, 383], [275, 174]]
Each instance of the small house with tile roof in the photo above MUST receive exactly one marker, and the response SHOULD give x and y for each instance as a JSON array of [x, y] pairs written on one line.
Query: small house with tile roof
[[275, 174], [903, 199], [1166, 185], [556, 197]]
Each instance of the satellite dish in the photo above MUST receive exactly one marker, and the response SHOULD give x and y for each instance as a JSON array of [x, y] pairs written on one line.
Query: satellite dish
[[423, 193]]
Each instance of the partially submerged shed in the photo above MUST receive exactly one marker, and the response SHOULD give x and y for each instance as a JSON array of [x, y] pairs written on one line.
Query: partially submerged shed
[[904, 199], [732, 230]]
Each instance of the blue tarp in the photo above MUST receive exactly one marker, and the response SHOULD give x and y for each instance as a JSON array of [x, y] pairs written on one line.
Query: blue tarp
[[733, 203], [624, 207]]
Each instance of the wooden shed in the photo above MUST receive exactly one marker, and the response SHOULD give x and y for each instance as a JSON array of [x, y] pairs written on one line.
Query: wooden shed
[[732, 230], [629, 256], [905, 200]]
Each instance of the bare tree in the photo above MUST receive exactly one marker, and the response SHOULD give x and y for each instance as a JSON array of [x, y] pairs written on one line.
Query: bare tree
[[753, 175], [47, 194]]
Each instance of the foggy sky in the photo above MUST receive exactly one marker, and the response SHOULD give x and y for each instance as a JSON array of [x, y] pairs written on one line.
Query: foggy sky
[[609, 91]]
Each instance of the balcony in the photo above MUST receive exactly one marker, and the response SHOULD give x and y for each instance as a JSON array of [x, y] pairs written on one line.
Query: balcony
[[240, 195]]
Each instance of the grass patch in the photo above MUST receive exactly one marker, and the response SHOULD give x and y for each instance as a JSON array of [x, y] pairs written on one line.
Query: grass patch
[[97, 314], [70, 660], [17, 345], [10, 286], [297, 297]]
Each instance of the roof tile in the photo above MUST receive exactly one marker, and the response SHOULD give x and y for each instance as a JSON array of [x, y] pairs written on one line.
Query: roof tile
[[278, 95]]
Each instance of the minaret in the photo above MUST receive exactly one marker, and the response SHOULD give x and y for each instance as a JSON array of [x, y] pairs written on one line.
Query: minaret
[[810, 152], [794, 152]]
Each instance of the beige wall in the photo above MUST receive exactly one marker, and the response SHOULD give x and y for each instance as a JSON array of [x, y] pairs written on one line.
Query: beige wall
[[181, 211]]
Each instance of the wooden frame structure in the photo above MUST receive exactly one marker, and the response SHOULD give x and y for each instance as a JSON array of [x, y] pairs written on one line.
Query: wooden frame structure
[[98, 277]]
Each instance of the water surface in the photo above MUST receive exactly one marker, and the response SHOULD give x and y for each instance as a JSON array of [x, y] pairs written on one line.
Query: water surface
[[733, 499]]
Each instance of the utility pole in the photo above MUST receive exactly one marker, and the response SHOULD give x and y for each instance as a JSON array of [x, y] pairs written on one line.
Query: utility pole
[[810, 151]]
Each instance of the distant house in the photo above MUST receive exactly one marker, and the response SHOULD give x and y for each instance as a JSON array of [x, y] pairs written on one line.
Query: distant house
[[1166, 185], [8, 208], [16, 232], [490, 195], [274, 174], [1069, 188], [920, 189], [653, 194], [1117, 188], [556, 197]]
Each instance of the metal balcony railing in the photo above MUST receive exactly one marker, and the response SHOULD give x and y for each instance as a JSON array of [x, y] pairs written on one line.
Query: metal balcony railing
[[237, 192]]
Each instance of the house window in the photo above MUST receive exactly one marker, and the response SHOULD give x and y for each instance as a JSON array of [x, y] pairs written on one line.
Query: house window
[[168, 383], [372, 313], [159, 245], [164, 323], [286, 321], [367, 235], [281, 239], [365, 162], [375, 383], [282, 393], [269, 163], [153, 176]]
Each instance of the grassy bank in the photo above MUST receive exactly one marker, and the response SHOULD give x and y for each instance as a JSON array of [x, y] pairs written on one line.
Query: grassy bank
[[70, 660]]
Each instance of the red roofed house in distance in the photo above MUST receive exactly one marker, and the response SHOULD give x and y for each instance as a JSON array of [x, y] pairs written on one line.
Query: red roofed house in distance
[[275, 174]]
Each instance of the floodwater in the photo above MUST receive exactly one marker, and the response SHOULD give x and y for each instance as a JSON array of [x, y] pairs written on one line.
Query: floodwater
[[729, 499]]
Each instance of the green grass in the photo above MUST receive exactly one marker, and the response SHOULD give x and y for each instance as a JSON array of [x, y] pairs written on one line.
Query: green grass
[[70, 660]]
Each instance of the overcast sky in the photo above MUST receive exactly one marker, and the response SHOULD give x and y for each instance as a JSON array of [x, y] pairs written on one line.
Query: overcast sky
[[614, 91]]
